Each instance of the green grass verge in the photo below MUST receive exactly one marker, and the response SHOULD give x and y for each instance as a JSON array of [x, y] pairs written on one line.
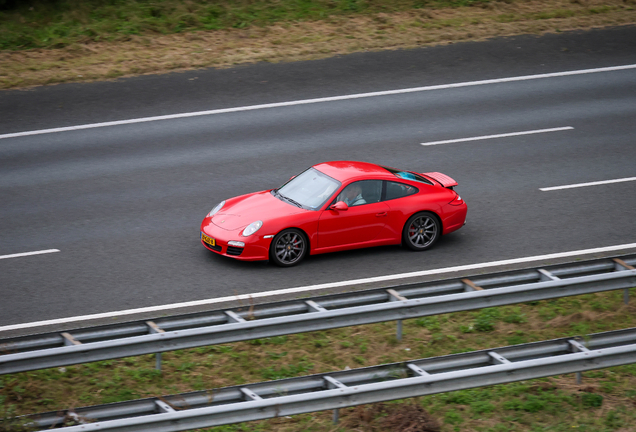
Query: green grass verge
[[56, 24], [605, 401], [48, 42]]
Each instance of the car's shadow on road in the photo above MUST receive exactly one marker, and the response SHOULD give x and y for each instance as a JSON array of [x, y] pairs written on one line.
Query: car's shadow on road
[[370, 260]]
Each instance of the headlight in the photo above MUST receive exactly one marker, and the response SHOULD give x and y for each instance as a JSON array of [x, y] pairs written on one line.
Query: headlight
[[252, 228], [218, 207]]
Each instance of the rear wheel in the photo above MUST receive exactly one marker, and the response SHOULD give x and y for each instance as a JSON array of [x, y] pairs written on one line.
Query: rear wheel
[[421, 231], [288, 248]]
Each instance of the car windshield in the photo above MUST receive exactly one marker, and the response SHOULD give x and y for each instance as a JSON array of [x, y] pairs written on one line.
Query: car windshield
[[310, 189]]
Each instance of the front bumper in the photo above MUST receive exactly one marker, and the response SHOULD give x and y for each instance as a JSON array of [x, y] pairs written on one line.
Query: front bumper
[[256, 246]]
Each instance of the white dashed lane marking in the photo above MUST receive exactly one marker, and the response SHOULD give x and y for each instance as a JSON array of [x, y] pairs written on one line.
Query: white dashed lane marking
[[511, 134], [23, 254], [596, 183]]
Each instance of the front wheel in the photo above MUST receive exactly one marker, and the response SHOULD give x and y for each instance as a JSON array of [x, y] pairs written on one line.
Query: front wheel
[[421, 231], [288, 248]]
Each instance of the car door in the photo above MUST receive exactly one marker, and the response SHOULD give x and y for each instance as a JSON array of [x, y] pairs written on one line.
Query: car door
[[357, 224], [396, 197]]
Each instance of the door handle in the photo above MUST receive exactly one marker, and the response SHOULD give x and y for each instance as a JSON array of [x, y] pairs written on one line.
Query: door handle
[[382, 214]]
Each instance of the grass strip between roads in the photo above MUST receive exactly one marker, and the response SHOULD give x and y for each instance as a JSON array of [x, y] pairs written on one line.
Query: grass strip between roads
[[605, 401], [71, 40]]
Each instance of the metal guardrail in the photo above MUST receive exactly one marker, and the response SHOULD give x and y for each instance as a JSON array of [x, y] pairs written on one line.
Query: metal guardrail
[[318, 313], [336, 390]]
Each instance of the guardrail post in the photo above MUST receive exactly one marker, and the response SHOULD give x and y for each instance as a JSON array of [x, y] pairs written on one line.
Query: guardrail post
[[619, 264], [163, 407], [249, 395], [69, 339], [545, 275], [496, 358], [575, 346], [470, 286], [233, 317], [417, 370], [395, 296], [154, 328], [158, 361], [312, 306], [332, 383]]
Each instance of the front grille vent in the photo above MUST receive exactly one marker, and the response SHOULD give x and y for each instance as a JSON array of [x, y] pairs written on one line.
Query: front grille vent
[[216, 248], [234, 251]]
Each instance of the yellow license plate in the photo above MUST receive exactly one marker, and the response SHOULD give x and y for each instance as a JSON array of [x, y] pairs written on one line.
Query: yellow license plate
[[208, 240]]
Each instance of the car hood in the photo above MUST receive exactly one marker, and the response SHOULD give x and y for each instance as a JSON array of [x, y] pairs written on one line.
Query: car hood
[[242, 211]]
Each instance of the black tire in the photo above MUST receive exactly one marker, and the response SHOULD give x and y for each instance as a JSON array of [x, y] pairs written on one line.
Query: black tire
[[421, 231], [288, 248]]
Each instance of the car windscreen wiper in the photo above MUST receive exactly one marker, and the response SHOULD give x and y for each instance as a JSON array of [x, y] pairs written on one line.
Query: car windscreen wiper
[[280, 195], [291, 200]]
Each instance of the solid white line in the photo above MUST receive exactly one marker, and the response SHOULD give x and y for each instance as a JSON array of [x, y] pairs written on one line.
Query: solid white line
[[319, 100], [485, 137], [23, 254], [316, 287], [602, 182]]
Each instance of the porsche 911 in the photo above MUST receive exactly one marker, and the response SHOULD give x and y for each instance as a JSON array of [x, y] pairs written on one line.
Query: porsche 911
[[335, 206]]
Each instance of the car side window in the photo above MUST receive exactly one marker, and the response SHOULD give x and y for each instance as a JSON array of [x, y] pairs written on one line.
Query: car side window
[[398, 190], [361, 192]]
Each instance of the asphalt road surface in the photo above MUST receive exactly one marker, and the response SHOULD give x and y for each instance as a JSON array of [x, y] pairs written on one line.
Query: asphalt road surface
[[123, 203]]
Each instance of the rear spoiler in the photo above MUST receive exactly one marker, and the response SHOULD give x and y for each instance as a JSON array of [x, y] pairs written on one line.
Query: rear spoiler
[[442, 179]]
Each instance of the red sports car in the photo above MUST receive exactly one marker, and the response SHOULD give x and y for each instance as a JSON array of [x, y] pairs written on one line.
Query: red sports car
[[335, 206]]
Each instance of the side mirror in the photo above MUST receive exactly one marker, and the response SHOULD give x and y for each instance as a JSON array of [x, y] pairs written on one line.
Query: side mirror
[[339, 206]]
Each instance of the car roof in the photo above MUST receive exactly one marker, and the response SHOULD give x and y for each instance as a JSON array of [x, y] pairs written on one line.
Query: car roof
[[347, 170]]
